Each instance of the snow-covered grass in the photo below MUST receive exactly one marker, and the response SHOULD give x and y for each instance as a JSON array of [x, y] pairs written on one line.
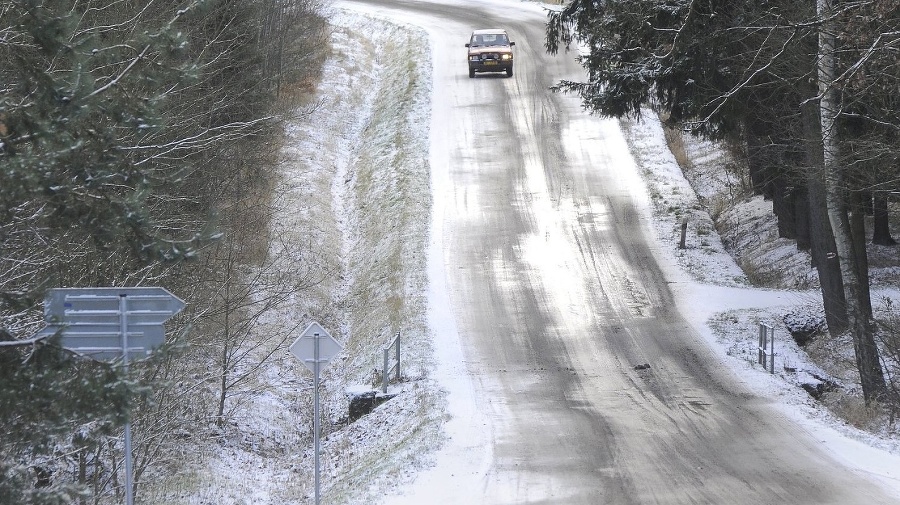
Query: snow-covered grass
[[355, 202], [674, 201], [707, 180], [352, 210]]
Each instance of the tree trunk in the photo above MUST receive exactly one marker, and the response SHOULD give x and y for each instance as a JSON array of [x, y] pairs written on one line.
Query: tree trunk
[[783, 206], [223, 386], [867, 361], [801, 218], [821, 237], [82, 473], [757, 163], [864, 202], [881, 232], [858, 206]]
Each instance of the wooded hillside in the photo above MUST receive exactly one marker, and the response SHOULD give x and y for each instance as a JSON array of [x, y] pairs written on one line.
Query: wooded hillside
[[136, 141]]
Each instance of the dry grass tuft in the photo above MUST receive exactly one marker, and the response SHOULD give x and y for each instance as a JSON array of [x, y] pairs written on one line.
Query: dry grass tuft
[[852, 409]]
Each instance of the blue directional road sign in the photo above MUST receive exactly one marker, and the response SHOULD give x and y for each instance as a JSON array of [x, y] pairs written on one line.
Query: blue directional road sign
[[102, 322]]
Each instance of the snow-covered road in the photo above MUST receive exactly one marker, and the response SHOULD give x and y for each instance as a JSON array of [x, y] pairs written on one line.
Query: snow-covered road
[[548, 289]]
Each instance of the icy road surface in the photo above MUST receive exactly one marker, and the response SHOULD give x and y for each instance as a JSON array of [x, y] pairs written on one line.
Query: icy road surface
[[560, 305]]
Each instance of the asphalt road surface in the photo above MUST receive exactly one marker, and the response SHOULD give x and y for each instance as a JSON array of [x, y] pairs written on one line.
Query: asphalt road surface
[[558, 299]]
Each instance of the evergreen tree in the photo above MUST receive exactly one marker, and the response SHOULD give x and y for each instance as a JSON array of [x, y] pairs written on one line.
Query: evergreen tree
[[85, 187], [82, 102], [126, 128], [50, 401]]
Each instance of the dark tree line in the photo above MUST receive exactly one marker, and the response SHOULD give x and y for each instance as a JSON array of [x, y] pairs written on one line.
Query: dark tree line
[[136, 140], [808, 88]]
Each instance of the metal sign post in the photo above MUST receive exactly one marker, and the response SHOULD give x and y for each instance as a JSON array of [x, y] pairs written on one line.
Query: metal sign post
[[106, 324], [123, 330], [315, 347], [316, 421]]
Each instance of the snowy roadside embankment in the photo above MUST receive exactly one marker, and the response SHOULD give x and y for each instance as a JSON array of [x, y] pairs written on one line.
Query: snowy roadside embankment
[[384, 196], [675, 202], [368, 143], [350, 218], [727, 310]]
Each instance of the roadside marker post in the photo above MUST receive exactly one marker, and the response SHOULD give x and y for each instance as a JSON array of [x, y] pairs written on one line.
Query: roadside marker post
[[766, 348]]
